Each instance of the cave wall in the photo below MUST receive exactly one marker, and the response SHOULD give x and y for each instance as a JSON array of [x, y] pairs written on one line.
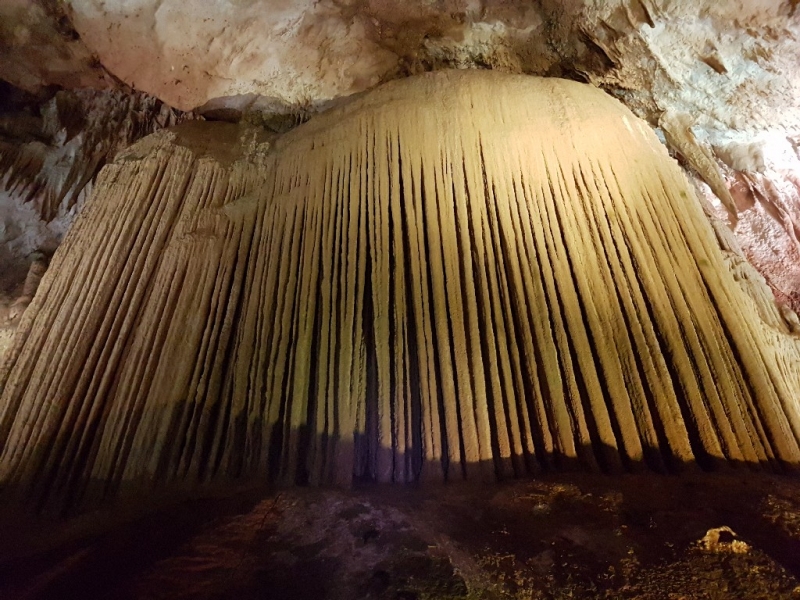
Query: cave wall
[[51, 152], [716, 80], [461, 275], [52, 146]]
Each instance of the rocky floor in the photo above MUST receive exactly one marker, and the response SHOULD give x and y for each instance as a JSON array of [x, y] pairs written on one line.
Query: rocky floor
[[702, 536]]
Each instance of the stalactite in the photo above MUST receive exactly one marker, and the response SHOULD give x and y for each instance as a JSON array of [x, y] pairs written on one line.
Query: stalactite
[[52, 161], [460, 275], [678, 133]]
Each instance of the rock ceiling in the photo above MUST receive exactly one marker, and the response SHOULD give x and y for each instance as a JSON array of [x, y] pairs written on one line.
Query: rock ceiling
[[724, 61]]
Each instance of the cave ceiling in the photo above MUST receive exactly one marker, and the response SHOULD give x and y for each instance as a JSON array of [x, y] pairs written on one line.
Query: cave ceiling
[[727, 63]]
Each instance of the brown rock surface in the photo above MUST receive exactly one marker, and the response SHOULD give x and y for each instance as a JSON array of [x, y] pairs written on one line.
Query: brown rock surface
[[462, 275], [641, 537], [725, 70]]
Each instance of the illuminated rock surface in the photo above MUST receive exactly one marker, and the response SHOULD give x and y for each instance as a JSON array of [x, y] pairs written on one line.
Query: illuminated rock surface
[[461, 275], [720, 78]]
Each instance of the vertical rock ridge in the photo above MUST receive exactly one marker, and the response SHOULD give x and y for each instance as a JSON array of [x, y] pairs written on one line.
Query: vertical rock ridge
[[463, 275]]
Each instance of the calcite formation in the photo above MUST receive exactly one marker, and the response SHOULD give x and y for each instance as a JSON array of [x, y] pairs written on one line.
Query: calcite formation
[[710, 74], [459, 275], [50, 154]]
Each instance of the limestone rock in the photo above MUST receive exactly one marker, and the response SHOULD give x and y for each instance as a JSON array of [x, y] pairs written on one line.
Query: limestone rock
[[39, 49], [459, 275], [51, 152], [729, 68]]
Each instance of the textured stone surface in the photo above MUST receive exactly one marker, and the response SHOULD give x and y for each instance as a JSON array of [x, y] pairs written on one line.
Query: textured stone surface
[[464, 275], [51, 153], [730, 65], [40, 48], [715, 75], [764, 178], [560, 536]]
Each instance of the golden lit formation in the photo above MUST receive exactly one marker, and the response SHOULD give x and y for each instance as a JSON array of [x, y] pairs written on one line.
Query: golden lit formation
[[459, 275]]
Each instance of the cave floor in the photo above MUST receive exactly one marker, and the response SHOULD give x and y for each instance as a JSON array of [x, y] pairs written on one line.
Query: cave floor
[[560, 536]]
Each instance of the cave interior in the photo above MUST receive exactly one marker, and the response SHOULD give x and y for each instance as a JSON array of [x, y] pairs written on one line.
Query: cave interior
[[437, 299]]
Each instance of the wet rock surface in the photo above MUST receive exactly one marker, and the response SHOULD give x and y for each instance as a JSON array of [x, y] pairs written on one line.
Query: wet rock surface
[[640, 536]]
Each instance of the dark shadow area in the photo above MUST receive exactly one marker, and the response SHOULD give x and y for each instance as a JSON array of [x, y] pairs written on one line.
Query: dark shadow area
[[91, 555], [572, 528]]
